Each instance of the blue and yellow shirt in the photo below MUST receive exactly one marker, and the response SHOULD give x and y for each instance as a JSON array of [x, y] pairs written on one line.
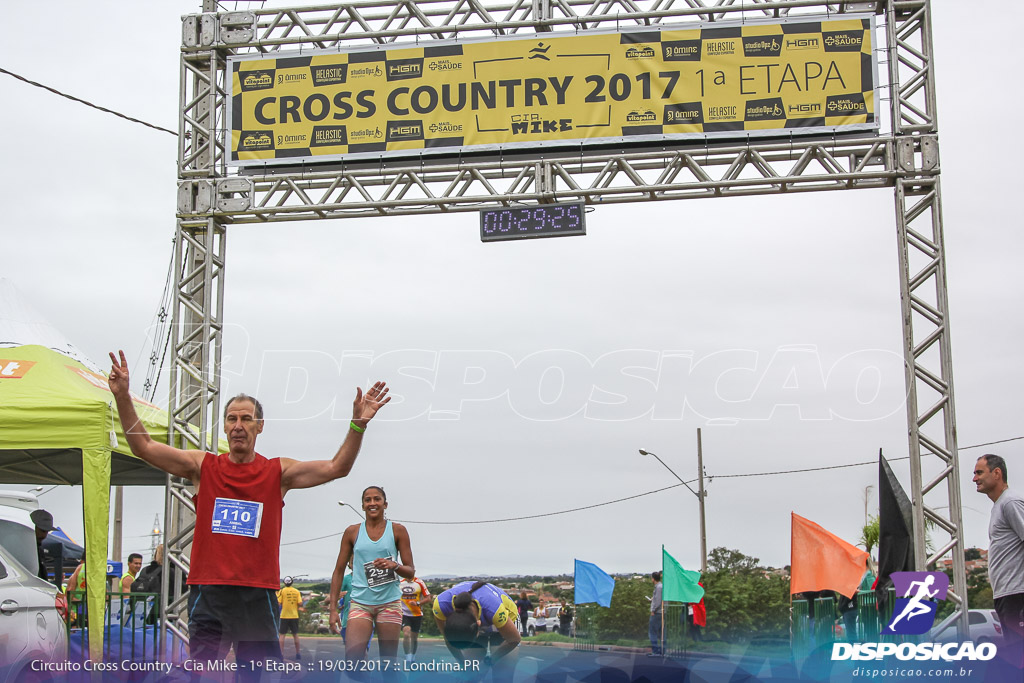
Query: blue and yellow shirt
[[496, 608]]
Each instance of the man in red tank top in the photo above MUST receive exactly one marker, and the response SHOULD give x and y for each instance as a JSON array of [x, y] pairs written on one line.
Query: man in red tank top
[[232, 598]]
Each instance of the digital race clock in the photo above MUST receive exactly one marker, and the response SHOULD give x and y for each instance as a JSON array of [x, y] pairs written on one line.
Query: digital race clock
[[539, 220]]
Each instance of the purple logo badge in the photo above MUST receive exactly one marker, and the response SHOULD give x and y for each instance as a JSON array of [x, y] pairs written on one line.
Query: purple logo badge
[[917, 596]]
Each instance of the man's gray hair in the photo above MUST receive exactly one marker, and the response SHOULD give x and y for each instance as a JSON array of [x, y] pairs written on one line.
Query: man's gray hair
[[245, 397]]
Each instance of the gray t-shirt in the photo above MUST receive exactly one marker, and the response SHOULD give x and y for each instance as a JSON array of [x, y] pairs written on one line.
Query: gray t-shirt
[[656, 600], [1006, 545]]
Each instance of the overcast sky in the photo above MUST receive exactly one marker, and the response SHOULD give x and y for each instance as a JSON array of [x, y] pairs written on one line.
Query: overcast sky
[[528, 374]]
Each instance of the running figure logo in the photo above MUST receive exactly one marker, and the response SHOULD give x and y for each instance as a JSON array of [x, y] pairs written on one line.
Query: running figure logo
[[914, 612]]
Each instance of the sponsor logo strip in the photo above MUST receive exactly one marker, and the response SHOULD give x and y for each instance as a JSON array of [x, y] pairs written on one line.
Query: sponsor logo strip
[[716, 82]]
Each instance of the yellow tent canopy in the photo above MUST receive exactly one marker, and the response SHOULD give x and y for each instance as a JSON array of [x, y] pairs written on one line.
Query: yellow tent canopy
[[59, 425]]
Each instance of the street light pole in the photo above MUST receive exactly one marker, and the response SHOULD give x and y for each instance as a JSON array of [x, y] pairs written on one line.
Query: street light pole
[[344, 504], [701, 494], [867, 490]]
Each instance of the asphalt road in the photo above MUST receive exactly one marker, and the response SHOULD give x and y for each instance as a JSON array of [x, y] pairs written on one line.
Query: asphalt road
[[323, 659]]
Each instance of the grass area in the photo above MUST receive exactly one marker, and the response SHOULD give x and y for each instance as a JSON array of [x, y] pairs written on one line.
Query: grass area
[[542, 638], [767, 648]]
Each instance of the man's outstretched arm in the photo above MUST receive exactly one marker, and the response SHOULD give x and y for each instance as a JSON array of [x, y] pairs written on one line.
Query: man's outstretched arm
[[297, 474], [175, 461]]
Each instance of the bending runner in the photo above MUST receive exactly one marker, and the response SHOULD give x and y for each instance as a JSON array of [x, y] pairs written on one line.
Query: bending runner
[[472, 616], [414, 595], [374, 546]]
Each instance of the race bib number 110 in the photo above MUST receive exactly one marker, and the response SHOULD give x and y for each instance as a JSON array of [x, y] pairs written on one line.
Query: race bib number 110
[[237, 517]]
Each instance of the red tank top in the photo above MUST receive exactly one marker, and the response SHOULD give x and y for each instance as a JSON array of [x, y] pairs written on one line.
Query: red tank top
[[237, 540]]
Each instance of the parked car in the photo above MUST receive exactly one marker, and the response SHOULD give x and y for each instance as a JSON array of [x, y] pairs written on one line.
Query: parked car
[[17, 531], [32, 619], [983, 623], [547, 623], [18, 535], [318, 623]]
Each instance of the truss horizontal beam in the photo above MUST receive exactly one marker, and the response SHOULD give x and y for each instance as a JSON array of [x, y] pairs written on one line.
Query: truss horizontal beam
[[607, 178], [384, 21]]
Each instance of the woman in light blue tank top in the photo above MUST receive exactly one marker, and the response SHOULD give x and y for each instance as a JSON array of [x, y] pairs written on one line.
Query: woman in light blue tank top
[[381, 553]]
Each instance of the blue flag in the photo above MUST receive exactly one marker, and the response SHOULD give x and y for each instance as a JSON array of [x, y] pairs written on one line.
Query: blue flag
[[592, 584]]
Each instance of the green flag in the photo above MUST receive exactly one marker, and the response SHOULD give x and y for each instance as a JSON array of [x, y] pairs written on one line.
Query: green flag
[[678, 584]]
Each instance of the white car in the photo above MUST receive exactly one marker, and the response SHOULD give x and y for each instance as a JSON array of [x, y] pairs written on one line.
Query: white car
[[547, 623], [17, 531], [983, 623], [32, 620], [318, 622]]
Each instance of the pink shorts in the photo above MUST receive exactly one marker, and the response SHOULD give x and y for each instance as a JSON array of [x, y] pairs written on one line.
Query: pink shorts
[[388, 613]]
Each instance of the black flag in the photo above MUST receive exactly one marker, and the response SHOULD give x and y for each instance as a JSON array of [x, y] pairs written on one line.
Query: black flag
[[895, 530]]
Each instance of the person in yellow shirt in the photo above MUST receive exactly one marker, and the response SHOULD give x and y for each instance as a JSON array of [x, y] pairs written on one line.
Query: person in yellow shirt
[[134, 565], [291, 604]]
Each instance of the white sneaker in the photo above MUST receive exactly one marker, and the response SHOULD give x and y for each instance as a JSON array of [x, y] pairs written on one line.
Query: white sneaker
[[410, 658]]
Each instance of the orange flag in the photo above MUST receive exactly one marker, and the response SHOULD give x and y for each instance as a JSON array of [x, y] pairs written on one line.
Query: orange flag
[[820, 560]]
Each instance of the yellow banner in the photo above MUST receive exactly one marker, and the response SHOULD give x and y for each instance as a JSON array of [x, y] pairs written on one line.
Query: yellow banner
[[711, 82]]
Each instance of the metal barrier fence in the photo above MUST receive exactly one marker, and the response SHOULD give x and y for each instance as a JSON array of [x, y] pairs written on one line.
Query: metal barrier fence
[[677, 634], [813, 629], [827, 626], [130, 625], [585, 634]]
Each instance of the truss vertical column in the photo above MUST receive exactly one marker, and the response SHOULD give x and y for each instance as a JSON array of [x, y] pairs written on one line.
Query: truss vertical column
[[923, 288], [197, 316], [541, 10], [194, 384]]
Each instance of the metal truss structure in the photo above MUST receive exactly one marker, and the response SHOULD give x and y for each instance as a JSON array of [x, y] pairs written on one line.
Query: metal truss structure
[[211, 197]]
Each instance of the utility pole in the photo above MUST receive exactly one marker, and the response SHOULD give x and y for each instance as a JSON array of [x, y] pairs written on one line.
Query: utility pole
[[701, 494], [867, 492], [155, 540], [115, 553]]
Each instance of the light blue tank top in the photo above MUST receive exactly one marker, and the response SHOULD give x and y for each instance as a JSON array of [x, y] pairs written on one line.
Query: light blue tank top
[[364, 553]]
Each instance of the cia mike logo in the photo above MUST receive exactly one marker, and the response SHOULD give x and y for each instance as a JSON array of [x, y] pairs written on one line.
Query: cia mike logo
[[917, 599]]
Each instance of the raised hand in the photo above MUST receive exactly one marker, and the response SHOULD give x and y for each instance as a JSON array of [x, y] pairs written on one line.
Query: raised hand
[[118, 378], [366, 406]]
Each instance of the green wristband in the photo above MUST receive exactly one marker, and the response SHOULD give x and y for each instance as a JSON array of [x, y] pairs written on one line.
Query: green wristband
[[356, 427]]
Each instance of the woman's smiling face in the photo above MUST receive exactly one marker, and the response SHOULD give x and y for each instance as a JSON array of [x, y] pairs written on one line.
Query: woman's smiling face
[[374, 503]]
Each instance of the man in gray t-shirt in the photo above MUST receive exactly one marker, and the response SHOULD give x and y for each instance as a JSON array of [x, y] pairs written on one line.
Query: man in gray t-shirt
[[1005, 552], [654, 625]]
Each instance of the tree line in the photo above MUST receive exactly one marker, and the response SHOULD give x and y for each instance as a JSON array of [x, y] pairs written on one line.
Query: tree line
[[744, 600]]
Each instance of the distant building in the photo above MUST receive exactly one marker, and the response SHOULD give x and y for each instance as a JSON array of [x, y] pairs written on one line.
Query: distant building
[[970, 565]]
